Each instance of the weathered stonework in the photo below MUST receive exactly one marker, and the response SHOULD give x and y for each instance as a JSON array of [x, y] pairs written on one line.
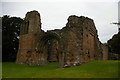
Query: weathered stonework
[[74, 44], [105, 51]]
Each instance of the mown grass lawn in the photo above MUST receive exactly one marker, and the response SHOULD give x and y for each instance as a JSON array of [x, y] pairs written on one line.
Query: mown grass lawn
[[0, 70], [94, 69]]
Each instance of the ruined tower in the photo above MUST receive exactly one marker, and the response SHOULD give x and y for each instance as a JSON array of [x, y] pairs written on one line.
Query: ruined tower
[[30, 31]]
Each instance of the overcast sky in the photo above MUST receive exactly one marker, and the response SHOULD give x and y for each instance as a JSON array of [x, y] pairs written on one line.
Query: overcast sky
[[54, 13]]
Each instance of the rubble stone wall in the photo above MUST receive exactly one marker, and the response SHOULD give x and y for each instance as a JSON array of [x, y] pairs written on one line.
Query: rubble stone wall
[[73, 45]]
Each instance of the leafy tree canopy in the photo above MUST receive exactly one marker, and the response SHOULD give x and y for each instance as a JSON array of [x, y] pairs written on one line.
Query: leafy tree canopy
[[10, 37], [114, 44]]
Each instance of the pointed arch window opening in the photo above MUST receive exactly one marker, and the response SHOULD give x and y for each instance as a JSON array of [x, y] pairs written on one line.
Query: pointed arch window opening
[[24, 28]]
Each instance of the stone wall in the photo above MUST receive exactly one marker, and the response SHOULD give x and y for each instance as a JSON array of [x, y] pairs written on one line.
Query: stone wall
[[73, 45], [105, 51]]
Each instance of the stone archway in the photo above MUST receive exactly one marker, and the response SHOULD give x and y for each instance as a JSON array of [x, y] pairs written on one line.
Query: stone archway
[[50, 43]]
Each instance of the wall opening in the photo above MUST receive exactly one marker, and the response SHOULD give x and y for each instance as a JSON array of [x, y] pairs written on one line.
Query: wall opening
[[51, 45], [53, 50]]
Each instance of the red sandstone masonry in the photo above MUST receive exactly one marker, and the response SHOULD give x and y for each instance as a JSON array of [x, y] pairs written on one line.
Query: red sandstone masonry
[[73, 45]]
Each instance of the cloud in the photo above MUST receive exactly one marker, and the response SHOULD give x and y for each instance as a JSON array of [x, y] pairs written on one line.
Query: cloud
[[59, 0]]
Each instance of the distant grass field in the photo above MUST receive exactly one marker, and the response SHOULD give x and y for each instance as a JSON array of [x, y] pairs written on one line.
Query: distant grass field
[[0, 70], [94, 69]]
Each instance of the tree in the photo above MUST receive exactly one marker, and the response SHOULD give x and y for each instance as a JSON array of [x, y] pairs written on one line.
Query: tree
[[10, 37], [114, 44]]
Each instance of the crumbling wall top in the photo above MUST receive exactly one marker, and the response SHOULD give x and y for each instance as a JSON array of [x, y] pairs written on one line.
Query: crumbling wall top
[[33, 12]]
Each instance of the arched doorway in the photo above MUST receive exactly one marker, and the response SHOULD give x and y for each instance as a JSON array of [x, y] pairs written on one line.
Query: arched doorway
[[51, 45]]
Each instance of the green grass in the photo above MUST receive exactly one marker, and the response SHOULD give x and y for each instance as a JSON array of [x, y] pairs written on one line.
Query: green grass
[[94, 69], [0, 70]]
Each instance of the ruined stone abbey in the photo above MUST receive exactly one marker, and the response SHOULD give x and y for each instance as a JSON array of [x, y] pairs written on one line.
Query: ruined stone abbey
[[73, 45]]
